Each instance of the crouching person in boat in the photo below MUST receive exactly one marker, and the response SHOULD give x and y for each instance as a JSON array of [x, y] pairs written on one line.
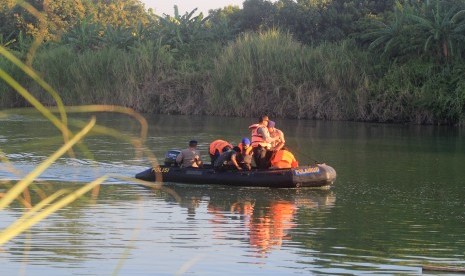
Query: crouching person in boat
[[228, 160], [217, 147], [283, 159], [246, 154], [190, 157]]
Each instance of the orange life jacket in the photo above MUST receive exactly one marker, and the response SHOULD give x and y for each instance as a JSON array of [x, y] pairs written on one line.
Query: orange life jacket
[[247, 151], [284, 159], [257, 139], [218, 145]]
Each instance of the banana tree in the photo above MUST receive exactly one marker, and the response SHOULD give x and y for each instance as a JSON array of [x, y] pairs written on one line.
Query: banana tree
[[387, 36], [180, 29], [442, 29], [119, 36], [84, 35]]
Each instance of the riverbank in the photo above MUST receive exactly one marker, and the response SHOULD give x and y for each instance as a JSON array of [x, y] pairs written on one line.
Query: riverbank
[[326, 60], [267, 72]]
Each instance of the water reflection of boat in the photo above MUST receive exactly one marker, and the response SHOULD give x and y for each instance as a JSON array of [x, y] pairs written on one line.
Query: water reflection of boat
[[320, 175], [265, 217]]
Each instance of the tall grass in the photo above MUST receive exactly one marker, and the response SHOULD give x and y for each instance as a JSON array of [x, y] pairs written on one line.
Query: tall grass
[[108, 76], [419, 92], [268, 72], [147, 77], [9, 98], [272, 73]]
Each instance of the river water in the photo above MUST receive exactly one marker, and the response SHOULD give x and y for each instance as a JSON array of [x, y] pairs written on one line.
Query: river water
[[398, 203]]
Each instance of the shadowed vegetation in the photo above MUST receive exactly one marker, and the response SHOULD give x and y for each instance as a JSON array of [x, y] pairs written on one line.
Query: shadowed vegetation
[[361, 60]]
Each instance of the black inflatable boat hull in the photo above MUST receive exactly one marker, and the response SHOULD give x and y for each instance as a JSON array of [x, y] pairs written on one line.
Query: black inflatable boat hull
[[320, 175]]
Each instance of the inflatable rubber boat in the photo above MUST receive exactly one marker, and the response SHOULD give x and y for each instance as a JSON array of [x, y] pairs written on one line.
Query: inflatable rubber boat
[[317, 175]]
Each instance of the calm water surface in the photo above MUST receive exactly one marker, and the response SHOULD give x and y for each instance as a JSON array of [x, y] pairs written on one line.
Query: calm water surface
[[398, 203]]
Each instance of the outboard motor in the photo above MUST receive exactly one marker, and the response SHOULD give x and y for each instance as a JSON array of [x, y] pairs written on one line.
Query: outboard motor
[[170, 157]]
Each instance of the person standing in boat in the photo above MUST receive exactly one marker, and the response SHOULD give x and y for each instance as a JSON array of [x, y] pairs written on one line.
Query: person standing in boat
[[190, 157], [274, 132], [228, 160], [261, 142]]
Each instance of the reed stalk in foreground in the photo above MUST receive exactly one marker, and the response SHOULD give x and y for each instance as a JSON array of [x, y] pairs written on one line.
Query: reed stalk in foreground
[[63, 197]]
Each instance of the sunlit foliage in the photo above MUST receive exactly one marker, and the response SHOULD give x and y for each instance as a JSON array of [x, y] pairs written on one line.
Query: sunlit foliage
[[178, 54]]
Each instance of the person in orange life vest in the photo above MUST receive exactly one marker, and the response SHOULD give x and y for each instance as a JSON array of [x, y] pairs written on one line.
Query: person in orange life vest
[[283, 159], [274, 132], [190, 157], [217, 147], [261, 142], [246, 154]]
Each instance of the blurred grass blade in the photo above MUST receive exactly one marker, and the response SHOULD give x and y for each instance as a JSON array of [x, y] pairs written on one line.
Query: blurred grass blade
[[113, 108], [14, 230], [30, 72], [138, 144], [37, 208], [32, 100], [14, 192], [39, 38]]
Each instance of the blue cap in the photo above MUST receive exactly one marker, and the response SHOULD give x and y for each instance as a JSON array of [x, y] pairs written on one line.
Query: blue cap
[[245, 141]]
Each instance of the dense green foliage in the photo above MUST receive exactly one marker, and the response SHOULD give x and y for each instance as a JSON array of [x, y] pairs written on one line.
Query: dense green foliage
[[271, 73], [328, 59]]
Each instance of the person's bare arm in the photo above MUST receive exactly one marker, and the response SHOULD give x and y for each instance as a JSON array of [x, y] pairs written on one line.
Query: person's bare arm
[[234, 161], [197, 160]]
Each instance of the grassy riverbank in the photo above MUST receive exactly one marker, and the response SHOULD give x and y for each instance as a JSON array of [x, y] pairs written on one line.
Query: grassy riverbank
[[258, 73], [383, 65]]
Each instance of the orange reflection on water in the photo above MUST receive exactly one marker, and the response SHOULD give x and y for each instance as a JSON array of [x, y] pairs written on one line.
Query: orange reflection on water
[[269, 231], [264, 219]]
